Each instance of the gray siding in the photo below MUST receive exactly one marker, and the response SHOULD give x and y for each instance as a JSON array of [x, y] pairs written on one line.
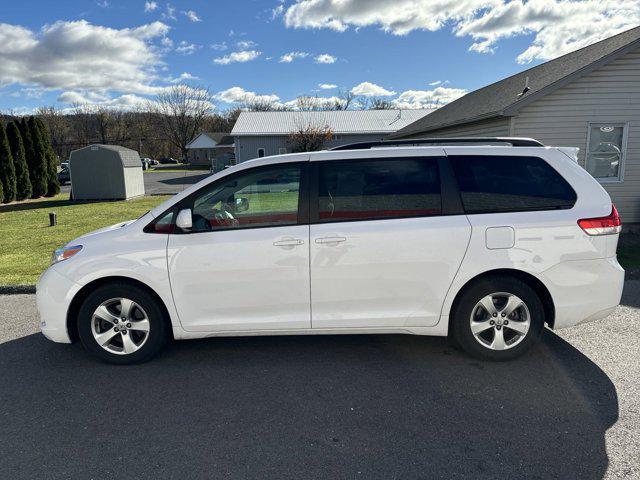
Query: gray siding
[[247, 146], [609, 94], [105, 173], [494, 127]]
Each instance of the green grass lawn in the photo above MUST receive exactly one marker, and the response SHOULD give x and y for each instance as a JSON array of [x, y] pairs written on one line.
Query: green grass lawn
[[26, 240]]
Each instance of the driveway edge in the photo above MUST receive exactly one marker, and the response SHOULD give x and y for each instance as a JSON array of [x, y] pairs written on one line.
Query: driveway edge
[[17, 289]]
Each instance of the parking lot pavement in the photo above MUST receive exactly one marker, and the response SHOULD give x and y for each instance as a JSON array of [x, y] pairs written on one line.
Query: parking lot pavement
[[371, 406], [164, 183]]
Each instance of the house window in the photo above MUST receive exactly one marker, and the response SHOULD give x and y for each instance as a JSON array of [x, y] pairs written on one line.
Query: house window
[[606, 151], [260, 152], [282, 151]]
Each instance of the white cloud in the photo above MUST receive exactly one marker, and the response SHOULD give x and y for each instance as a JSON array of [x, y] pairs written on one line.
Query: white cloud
[[246, 44], [183, 77], [221, 47], [556, 26], [325, 58], [91, 100], [88, 99], [191, 15], [238, 57], [433, 84], [186, 48], [102, 3], [80, 56], [291, 56], [327, 86], [276, 12], [150, 6], [368, 89], [428, 98], [169, 13], [240, 95]]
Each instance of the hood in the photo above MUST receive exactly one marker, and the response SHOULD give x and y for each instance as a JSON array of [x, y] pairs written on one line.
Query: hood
[[103, 230]]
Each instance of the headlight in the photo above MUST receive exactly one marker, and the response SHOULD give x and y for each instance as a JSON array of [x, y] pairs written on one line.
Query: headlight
[[64, 253]]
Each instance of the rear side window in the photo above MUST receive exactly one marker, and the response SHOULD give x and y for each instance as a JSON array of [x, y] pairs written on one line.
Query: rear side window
[[378, 189], [507, 184]]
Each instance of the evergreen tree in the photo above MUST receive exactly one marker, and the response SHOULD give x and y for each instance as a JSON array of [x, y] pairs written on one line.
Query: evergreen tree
[[38, 171], [53, 186], [7, 171], [23, 184]]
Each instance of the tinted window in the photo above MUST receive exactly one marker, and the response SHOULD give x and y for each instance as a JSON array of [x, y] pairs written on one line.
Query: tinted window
[[267, 197], [376, 189], [500, 184]]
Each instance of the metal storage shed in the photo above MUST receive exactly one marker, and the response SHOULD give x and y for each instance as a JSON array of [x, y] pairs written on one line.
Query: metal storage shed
[[105, 172]]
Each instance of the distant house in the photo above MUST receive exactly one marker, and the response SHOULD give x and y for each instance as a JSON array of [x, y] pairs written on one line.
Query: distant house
[[589, 99], [212, 149], [260, 134]]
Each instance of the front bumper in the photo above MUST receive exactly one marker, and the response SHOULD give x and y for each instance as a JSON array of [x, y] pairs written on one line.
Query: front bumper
[[54, 294], [584, 290]]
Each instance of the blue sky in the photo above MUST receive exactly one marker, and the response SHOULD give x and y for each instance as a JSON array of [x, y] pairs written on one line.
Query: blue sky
[[412, 52]]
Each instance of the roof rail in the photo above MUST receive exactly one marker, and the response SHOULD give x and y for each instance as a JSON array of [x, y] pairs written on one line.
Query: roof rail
[[512, 141]]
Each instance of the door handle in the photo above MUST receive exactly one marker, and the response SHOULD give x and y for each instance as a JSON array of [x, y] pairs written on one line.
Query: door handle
[[329, 240], [289, 242]]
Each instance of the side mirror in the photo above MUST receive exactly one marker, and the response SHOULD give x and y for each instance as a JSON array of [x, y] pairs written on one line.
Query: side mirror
[[184, 220], [242, 204]]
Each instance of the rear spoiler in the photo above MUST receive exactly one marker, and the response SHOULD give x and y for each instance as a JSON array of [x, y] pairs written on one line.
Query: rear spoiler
[[571, 152]]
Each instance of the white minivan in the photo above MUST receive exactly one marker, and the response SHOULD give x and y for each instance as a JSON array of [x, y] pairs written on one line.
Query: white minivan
[[482, 240]]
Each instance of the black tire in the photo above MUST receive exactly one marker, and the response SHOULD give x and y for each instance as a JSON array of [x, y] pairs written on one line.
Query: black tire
[[461, 320], [159, 328]]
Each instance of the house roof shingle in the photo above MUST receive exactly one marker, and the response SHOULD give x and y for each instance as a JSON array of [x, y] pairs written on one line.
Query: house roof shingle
[[340, 121], [493, 100]]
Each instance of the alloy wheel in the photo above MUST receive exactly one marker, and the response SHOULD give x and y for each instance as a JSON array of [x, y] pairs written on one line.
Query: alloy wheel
[[120, 326], [500, 321]]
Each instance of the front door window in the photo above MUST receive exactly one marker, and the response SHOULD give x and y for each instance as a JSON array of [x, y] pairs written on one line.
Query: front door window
[[266, 197]]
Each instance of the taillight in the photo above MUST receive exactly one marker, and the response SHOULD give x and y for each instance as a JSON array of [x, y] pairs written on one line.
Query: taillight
[[602, 225]]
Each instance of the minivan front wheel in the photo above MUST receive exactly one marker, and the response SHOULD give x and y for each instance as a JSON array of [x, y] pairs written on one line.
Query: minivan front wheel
[[122, 324], [498, 318]]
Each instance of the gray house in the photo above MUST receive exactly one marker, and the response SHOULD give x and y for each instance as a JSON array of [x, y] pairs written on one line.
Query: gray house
[[105, 172], [260, 134], [588, 99]]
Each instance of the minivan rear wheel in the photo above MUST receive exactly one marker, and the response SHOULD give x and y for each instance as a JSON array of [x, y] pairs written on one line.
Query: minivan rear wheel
[[122, 324], [498, 318]]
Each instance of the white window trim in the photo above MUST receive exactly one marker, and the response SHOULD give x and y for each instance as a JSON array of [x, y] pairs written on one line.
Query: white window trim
[[623, 160], [264, 152], [282, 151]]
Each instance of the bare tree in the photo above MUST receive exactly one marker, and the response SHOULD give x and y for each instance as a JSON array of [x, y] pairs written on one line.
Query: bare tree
[[81, 125], [346, 99], [376, 103], [263, 105], [58, 125], [309, 138], [222, 122], [181, 110], [306, 103]]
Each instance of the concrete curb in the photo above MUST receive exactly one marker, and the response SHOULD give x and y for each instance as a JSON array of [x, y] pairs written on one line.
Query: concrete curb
[[17, 289]]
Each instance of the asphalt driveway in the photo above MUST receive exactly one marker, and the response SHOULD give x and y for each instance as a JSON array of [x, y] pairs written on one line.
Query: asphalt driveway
[[165, 183], [368, 407]]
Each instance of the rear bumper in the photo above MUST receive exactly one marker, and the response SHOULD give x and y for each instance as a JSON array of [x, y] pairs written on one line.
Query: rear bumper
[[54, 293], [584, 290]]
